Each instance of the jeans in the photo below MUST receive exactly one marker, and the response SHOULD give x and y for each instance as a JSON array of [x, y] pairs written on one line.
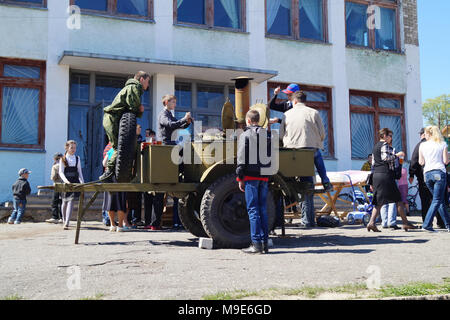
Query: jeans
[[436, 181], [307, 205], [388, 214], [19, 210], [256, 198], [105, 217], [320, 166]]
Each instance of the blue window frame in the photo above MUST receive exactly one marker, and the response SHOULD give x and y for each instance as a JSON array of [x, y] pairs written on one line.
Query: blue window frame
[[297, 19], [22, 103], [142, 9], [372, 24], [227, 14]]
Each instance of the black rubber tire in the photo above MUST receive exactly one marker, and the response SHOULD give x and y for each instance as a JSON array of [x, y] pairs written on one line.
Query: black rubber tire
[[189, 214], [126, 149], [229, 228]]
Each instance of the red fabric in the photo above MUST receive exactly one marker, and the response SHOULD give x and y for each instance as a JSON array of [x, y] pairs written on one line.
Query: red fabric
[[253, 179], [107, 148]]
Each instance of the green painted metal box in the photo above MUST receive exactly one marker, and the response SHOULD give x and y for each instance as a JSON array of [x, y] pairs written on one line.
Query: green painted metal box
[[157, 165], [296, 163]]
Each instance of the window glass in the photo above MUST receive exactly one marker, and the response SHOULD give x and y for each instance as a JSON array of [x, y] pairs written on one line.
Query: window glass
[[232, 96], [278, 13], [389, 103], [316, 96], [99, 5], [395, 124], [311, 21], [324, 116], [385, 37], [210, 97], [356, 21], [134, 7], [183, 92], [209, 121], [20, 116], [30, 1], [106, 88], [191, 11], [79, 87], [21, 71], [361, 101], [362, 127], [227, 13]]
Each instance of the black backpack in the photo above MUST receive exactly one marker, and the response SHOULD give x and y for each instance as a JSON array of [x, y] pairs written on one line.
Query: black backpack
[[328, 222], [397, 168]]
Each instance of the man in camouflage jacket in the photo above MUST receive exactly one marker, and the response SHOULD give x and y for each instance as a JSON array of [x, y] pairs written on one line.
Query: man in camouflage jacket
[[127, 100]]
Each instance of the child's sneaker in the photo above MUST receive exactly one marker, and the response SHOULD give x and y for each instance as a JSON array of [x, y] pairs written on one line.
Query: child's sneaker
[[112, 229], [17, 222], [119, 229], [10, 221], [51, 220]]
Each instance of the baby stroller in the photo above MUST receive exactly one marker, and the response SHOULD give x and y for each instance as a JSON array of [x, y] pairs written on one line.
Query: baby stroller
[[362, 210]]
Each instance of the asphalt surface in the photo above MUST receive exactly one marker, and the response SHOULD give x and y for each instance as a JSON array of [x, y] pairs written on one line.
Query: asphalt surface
[[41, 261]]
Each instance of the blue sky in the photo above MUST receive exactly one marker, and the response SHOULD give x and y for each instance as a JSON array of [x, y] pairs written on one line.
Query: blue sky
[[434, 41]]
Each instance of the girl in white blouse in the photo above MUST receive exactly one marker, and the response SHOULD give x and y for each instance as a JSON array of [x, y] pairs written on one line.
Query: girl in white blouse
[[70, 172]]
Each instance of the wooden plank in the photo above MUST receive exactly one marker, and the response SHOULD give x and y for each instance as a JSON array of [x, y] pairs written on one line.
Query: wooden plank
[[124, 187], [80, 215]]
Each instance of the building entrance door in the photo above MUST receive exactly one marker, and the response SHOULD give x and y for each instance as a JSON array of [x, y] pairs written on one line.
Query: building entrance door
[[86, 128]]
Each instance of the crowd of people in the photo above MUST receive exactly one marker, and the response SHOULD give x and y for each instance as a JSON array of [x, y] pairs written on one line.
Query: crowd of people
[[301, 128]]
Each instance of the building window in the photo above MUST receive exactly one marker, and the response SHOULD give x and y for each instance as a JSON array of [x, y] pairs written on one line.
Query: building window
[[297, 19], [372, 24], [22, 103], [227, 14], [318, 98], [204, 101], [31, 3], [370, 112], [125, 8]]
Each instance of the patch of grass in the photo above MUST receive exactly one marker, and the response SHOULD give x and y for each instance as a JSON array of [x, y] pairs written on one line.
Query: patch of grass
[[230, 295], [98, 296], [415, 289], [354, 291], [13, 297]]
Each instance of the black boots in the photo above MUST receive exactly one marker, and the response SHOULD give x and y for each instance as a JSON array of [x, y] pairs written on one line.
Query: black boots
[[257, 247], [106, 176], [265, 247]]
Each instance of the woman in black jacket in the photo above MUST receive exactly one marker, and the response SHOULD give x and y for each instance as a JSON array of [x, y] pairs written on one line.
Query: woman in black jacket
[[385, 189]]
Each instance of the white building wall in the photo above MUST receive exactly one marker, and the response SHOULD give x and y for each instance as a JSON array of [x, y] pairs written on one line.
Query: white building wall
[[57, 93]]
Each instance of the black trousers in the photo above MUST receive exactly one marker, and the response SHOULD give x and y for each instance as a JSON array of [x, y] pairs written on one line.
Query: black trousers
[[425, 198], [56, 205], [154, 206], [135, 206]]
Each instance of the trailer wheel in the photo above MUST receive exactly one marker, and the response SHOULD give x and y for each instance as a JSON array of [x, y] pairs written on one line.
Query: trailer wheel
[[223, 213], [189, 214], [126, 149]]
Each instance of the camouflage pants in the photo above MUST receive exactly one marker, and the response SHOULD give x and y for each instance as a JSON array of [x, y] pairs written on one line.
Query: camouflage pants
[[111, 125]]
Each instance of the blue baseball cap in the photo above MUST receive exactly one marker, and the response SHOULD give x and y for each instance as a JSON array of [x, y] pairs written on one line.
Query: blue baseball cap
[[291, 88]]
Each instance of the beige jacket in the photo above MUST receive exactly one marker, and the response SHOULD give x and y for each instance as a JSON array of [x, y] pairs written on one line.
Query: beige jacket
[[54, 176], [302, 127]]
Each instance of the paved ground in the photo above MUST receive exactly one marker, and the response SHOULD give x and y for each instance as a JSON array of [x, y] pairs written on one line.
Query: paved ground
[[37, 262]]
